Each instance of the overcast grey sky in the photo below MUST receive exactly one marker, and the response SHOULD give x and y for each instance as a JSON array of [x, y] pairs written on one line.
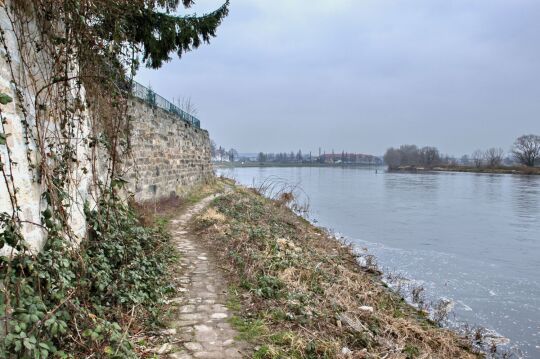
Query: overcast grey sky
[[364, 75]]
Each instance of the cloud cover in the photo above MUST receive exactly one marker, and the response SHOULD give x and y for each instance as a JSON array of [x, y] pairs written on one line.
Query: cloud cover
[[364, 75]]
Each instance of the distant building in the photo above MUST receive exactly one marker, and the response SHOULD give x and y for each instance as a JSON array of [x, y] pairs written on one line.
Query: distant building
[[247, 157], [350, 158]]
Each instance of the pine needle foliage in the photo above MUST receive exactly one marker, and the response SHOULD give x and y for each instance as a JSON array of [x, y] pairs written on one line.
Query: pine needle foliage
[[156, 28]]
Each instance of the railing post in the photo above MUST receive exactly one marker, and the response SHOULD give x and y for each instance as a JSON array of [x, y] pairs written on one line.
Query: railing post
[[151, 97]]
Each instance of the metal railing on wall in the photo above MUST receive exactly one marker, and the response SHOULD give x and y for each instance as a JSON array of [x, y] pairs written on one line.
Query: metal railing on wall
[[153, 99]]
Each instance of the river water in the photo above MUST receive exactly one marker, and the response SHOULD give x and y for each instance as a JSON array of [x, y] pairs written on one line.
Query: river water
[[470, 238]]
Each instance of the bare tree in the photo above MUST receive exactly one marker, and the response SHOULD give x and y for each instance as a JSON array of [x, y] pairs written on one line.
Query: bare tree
[[221, 152], [233, 154], [409, 155], [392, 158], [429, 156], [494, 156], [526, 149], [261, 157], [187, 105], [478, 158]]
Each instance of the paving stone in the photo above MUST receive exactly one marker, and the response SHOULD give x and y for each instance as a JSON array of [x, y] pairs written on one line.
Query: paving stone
[[228, 342], [219, 316], [180, 355], [212, 346], [219, 308], [206, 337], [184, 323], [210, 355], [192, 316], [193, 346], [203, 328], [165, 348], [224, 325], [204, 308], [187, 308]]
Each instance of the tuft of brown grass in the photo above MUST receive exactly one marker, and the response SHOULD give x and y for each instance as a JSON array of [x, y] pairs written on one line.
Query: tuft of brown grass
[[300, 293], [163, 209]]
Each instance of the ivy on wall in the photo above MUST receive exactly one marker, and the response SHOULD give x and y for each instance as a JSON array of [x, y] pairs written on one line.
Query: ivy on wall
[[70, 73]]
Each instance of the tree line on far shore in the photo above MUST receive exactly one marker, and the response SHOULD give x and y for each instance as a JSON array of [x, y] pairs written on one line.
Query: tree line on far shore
[[525, 151]]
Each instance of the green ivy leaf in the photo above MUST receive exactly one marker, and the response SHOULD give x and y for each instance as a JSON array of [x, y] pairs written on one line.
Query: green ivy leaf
[[5, 99], [3, 138], [118, 182], [47, 213]]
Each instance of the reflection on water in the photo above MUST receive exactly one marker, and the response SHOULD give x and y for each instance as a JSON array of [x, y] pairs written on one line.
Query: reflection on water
[[474, 238], [526, 198]]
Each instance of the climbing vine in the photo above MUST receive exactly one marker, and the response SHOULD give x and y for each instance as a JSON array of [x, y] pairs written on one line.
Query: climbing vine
[[76, 303], [70, 64]]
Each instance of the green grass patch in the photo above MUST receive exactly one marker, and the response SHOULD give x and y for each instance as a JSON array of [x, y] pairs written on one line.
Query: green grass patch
[[249, 329]]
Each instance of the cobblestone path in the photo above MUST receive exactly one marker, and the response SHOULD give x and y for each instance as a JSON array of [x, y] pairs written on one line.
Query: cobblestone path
[[199, 327]]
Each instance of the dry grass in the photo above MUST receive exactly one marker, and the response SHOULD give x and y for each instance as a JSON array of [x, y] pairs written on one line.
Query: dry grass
[[150, 212], [521, 170], [300, 293]]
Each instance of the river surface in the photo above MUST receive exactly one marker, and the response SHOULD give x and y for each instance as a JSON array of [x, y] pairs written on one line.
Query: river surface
[[470, 238]]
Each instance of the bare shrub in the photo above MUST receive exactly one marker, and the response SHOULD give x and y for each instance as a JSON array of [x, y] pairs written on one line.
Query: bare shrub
[[419, 296], [429, 156], [392, 158], [187, 105], [368, 261], [478, 158], [284, 192], [441, 310], [494, 156]]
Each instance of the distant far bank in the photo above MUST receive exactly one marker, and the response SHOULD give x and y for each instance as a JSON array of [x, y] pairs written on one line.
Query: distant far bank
[[294, 164], [520, 170]]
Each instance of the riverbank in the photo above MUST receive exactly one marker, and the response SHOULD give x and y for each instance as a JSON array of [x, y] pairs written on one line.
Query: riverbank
[[519, 170], [296, 291]]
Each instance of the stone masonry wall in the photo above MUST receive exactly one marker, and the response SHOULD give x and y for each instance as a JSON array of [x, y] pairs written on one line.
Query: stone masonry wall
[[169, 156]]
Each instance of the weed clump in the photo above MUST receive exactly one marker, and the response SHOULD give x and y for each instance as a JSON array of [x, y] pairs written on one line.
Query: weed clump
[[298, 292]]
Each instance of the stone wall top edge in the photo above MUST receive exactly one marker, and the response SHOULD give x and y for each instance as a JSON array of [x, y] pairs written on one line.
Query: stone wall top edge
[[162, 112]]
